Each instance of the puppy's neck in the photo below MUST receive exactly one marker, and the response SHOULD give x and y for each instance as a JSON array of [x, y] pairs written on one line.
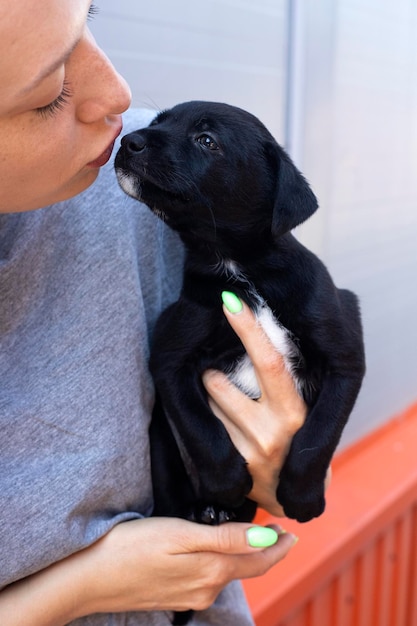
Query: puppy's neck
[[232, 270], [228, 266], [246, 266], [225, 266]]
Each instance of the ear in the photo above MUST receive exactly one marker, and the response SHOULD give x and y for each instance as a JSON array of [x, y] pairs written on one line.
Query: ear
[[294, 200]]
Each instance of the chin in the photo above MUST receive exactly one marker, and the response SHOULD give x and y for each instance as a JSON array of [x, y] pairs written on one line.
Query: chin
[[76, 186], [73, 188]]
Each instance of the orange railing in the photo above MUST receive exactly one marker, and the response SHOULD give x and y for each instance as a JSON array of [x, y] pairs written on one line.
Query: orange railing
[[357, 564]]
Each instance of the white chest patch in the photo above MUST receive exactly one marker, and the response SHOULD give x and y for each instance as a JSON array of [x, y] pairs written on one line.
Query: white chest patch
[[243, 375]]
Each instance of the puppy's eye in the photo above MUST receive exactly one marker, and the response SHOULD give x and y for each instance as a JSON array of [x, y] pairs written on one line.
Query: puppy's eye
[[207, 141]]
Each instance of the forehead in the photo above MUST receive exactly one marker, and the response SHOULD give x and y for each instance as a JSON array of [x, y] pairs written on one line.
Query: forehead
[[34, 34]]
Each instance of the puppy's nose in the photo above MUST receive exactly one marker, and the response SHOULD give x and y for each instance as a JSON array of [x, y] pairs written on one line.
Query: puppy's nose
[[134, 143]]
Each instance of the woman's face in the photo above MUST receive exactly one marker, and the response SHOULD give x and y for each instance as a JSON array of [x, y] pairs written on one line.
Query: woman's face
[[60, 103]]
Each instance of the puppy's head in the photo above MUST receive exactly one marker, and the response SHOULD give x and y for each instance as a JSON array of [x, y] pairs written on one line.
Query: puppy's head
[[213, 171]]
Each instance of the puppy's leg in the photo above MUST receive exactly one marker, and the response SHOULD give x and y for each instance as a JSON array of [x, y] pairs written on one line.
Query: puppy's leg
[[182, 617], [181, 352], [174, 495], [301, 483], [172, 490], [217, 471]]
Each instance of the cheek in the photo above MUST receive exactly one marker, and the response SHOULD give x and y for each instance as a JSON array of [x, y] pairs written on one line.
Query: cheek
[[39, 166], [30, 145]]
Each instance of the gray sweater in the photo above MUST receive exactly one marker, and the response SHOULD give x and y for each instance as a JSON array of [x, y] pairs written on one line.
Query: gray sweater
[[81, 285]]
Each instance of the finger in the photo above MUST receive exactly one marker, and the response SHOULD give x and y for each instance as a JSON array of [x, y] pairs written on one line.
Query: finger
[[264, 454], [277, 386], [254, 429], [258, 564], [236, 425], [268, 361], [230, 404], [232, 538], [263, 424], [232, 556]]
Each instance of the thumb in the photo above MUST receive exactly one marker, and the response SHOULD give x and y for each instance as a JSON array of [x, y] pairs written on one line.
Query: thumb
[[233, 538]]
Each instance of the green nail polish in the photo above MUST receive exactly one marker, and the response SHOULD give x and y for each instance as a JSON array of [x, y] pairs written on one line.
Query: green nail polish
[[231, 302], [260, 537]]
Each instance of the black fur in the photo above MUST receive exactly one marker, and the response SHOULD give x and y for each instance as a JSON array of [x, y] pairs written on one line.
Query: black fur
[[216, 175]]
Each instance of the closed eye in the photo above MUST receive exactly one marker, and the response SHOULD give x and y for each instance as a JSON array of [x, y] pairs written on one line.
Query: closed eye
[[207, 142], [51, 109]]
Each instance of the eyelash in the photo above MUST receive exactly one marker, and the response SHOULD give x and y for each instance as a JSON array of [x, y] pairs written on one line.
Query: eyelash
[[58, 104], [92, 11]]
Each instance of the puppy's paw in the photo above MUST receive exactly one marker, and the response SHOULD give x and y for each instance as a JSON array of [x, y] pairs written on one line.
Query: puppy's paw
[[228, 488], [214, 515], [302, 503], [211, 515], [229, 494]]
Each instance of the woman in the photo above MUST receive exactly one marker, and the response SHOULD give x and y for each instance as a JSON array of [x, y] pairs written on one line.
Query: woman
[[82, 280]]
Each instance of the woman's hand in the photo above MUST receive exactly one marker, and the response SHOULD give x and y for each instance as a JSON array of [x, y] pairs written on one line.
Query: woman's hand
[[178, 564], [141, 565], [262, 430]]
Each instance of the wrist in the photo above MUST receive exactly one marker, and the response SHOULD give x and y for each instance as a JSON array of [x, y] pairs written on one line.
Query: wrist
[[47, 598]]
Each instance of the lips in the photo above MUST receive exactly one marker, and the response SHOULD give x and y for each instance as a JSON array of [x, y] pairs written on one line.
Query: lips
[[105, 156]]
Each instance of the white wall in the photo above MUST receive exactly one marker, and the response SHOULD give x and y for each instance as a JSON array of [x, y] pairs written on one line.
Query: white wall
[[176, 50], [360, 152], [351, 126]]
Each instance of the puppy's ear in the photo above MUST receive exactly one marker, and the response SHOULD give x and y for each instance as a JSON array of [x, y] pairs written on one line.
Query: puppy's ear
[[294, 200]]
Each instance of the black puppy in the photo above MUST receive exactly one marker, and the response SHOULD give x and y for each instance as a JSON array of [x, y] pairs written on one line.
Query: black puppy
[[214, 173]]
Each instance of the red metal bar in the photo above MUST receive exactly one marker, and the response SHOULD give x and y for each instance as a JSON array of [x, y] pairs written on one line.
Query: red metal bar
[[357, 564]]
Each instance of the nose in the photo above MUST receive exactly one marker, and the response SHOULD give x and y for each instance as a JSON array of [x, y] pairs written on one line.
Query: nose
[[133, 143], [101, 91]]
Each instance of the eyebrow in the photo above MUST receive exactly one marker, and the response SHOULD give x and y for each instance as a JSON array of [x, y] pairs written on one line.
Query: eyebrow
[[48, 71]]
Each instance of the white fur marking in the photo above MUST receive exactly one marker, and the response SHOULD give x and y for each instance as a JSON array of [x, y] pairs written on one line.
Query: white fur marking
[[278, 335], [232, 267], [128, 183], [243, 375]]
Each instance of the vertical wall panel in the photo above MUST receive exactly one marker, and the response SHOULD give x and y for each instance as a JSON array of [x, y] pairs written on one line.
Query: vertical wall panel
[[366, 584], [404, 541], [411, 600], [321, 609]]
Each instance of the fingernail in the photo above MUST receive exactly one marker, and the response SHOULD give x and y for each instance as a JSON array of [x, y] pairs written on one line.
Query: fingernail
[[295, 539], [260, 537], [231, 302]]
